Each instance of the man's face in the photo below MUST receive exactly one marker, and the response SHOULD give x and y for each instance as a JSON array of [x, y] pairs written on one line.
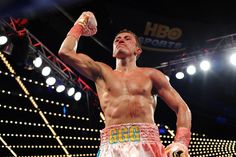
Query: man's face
[[124, 45]]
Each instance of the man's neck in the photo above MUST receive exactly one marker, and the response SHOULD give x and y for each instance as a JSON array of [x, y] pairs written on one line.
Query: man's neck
[[125, 65]]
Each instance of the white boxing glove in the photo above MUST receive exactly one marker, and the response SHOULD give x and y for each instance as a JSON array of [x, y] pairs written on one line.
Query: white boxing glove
[[89, 23], [176, 150]]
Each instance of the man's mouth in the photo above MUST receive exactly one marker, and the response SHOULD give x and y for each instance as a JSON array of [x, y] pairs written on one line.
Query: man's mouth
[[120, 45]]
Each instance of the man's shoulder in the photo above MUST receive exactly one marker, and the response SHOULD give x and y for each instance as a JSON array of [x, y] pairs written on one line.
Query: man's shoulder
[[152, 72], [104, 65], [149, 69]]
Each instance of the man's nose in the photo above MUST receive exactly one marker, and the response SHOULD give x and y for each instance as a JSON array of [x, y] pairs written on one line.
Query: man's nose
[[121, 40]]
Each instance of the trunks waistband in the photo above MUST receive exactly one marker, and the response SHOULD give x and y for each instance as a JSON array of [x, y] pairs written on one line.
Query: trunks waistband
[[130, 132]]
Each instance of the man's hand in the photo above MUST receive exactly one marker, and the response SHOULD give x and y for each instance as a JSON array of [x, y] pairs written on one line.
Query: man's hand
[[177, 150], [89, 23]]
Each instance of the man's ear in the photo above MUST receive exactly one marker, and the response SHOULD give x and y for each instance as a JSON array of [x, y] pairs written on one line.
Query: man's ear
[[138, 51]]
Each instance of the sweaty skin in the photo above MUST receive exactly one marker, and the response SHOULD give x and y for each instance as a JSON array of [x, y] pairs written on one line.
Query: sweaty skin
[[126, 97], [125, 93]]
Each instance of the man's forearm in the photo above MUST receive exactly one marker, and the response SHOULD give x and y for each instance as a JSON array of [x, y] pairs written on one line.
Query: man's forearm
[[70, 43], [183, 128], [76, 31]]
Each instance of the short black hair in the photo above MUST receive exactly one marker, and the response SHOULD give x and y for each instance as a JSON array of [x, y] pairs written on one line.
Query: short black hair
[[138, 43]]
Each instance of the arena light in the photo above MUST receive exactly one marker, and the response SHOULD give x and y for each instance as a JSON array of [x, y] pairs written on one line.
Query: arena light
[[50, 81], [179, 75], [46, 71], [60, 88], [205, 65], [233, 59], [3, 36], [38, 62], [71, 91], [191, 70], [3, 39], [77, 96]]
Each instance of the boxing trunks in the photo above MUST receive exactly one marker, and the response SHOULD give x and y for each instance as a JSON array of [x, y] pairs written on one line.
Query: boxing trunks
[[131, 140]]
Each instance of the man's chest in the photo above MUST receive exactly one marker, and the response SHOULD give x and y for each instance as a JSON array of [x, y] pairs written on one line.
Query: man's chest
[[131, 83]]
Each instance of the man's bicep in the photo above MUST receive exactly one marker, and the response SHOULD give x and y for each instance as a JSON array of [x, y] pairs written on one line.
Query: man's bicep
[[82, 63], [170, 96], [165, 91], [88, 67], [160, 82]]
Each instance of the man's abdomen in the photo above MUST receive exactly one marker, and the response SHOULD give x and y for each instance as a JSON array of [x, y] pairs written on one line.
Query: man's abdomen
[[129, 109]]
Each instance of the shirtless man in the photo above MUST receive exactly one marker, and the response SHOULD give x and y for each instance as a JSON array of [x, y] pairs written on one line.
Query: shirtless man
[[126, 97]]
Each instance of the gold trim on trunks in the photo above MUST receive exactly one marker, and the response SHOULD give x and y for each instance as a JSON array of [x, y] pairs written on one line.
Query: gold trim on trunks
[[124, 134]]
